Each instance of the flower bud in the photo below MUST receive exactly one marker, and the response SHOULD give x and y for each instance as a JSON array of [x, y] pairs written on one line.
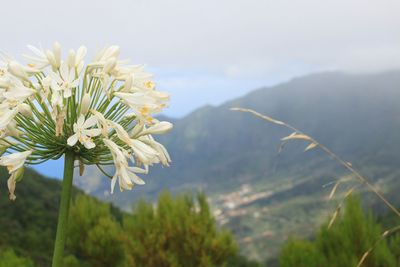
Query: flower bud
[[71, 59], [51, 59], [81, 168], [159, 128], [5, 82], [3, 147], [60, 122], [17, 70], [15, 177], [85, 104], [137, 129], [110, 65], [19, 174], [12, 130], [57, 54], [112, 51], [80, 54], [3, 150], [128, 83], [25, 110]]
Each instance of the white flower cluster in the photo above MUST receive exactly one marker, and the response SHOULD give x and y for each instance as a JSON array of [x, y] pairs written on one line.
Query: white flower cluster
[[102, 111]]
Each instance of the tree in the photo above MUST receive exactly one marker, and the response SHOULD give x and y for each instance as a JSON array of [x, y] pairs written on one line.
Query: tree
[[179, 232], [9, 258], [300, 253], [343, 244], [94, 236]]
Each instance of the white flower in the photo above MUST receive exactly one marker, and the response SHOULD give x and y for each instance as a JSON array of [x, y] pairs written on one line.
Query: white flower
[[15, 160], [10, 130], [48, 100], [20, 71], [54, 57], [25, 110], [85, 103], [82, 132], [65, 81], [75, 60], [126, 175], [143, 104], [163, 154], [4, 145], [5, 82], [135, 78], [146, 154], [18, 94], [106, 72], [102, 122], [105, 54], [12, 181], [158, 128], [6, 116], [45, 88], [39, 60], [136, 131]]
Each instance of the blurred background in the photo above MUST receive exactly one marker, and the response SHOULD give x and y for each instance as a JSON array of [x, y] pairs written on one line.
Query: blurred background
[[330, 68]]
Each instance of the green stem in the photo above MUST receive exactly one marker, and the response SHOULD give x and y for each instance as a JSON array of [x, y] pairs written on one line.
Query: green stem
[[64, 209]]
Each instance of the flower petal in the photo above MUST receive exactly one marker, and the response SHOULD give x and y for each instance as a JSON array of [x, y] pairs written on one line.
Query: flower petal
[[136, 179], [89, 122], [64, 71], [72, 140], [113, 181], [80, 122], [11, 183], [89, 144], [92, 132]]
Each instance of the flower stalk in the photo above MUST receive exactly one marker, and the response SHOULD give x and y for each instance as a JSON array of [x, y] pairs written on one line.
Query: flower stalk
[[63, 212]]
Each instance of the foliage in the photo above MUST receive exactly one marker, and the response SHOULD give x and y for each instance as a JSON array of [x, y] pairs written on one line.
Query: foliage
[[28, 224], [242, 261], [9, 258], [343, 244], [291, 256], [179, 232], [94, 236], [345, 112]]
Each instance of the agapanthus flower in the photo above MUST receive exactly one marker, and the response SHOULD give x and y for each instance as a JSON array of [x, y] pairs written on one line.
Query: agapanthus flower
[[103, 112]]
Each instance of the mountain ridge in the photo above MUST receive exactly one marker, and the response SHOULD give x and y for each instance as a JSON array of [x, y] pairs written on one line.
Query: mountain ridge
[[233, 156]]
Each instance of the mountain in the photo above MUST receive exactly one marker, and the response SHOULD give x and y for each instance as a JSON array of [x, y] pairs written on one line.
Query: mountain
[[265, 196]]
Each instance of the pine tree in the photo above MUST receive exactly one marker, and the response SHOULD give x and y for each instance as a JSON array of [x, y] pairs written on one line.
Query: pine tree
[[94, 236], [300, 253], [8, 258], [178, 232], [343, 244]]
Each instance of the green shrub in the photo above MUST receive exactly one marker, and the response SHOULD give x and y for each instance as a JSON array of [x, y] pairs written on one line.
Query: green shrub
[[343, 244]]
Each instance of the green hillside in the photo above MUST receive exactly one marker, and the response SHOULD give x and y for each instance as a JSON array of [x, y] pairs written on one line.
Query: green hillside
[[100, 235], [28, 224], [264, 196]]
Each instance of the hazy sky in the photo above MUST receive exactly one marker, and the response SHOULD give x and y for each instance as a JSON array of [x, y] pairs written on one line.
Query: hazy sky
[[211, 51]]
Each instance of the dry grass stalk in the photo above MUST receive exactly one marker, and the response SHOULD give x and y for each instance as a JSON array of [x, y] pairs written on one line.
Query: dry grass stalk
[[302, 136], [299, 135]]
